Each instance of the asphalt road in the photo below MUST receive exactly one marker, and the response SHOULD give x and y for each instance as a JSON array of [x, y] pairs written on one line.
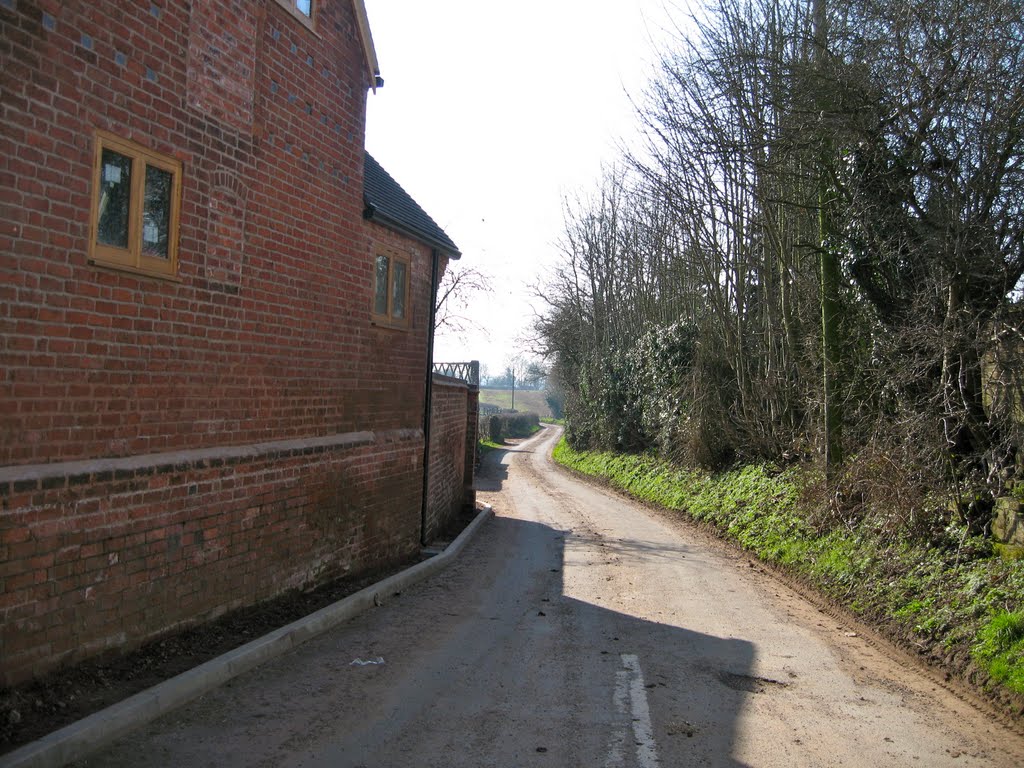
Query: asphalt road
[[579, 629]]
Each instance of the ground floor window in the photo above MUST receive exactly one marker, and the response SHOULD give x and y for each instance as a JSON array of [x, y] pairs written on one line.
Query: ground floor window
[[136, 201]]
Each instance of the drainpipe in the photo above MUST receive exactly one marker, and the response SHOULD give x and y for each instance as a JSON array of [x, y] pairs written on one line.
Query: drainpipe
[[435, 261]]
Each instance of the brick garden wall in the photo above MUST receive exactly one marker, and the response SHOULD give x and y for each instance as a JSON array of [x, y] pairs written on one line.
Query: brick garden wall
[[451, 477], [170, 449], [472, 438], [107, 553]]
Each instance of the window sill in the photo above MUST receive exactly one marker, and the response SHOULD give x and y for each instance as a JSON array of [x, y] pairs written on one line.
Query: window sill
[[388, 325], [302, 19], [113, 266]]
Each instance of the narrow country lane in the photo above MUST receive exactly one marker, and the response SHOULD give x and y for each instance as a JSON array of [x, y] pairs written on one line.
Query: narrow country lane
[[579, 629]]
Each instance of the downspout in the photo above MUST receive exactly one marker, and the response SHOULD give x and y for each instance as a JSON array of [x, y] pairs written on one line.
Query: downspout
[[435, 259]]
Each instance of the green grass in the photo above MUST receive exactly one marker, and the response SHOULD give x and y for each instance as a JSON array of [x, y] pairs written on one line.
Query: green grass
[[526, 400], [486, 446], [1000, 649], [948, 594]]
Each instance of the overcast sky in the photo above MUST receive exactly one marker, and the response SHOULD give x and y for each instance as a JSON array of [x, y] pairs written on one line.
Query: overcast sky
[[491, 113]]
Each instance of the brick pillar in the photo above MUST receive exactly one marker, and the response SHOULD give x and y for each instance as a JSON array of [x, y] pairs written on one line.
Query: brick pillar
[[472, 425]]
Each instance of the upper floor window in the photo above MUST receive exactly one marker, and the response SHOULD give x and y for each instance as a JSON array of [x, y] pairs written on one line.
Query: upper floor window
[[136, 201], [303, 10], [391, 290]]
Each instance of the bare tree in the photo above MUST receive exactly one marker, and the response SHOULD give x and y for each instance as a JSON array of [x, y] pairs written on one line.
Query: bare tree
[[824, 235], [934, 192], [459, 287]]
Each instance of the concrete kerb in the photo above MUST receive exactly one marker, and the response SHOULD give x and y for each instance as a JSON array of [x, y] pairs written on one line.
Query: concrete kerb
[[77, 740]]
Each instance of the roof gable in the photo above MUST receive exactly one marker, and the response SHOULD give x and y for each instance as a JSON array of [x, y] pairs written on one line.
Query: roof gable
[[388, 204], [369, 52]]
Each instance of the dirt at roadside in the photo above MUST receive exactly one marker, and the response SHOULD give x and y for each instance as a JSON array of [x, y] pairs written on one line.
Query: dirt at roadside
[[952, 668], [33, 710]]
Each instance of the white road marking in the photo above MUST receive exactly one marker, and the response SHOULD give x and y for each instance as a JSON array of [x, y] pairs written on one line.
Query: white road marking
[[616, 758], [629, 684]]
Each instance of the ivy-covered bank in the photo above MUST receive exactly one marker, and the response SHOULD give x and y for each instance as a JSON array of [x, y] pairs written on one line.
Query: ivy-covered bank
[[953, 598]]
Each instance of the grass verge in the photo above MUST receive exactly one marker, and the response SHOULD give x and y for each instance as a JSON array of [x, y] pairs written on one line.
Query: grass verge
[[486, 446], [953, 600], [525, 399]]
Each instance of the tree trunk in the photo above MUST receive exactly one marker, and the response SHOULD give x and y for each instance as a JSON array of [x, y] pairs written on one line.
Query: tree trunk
[[833, 416]]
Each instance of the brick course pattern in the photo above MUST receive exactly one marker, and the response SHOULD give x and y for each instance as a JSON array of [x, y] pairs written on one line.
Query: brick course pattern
[[170, 449], [450, 479], [267, 335], [125, 550]]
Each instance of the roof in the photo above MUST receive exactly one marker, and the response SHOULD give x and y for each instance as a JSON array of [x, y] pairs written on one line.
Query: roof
[[388, 204]]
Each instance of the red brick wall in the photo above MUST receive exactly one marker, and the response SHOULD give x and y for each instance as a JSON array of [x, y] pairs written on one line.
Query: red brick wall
[[267, 335], [108, 553], [447, 479], [472, 438], [116, 521], [398, 357]]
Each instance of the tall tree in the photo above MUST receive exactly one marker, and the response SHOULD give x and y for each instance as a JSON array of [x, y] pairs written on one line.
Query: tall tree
[[828, 220], [830, 270], [934, 193]]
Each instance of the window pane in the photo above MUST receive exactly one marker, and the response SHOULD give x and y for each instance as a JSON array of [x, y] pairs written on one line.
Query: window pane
[[115, 193], [380, 287], [398, 291], [156, 213], [305, 7]]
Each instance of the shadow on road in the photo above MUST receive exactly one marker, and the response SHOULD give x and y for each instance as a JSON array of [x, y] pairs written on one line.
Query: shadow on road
[[493, 469], [639, 687], [492, 472], [499, 661], [627, 548], [690, 686]]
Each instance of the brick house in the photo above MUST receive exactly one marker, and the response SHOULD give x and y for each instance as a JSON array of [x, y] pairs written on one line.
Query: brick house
[[214, 338]]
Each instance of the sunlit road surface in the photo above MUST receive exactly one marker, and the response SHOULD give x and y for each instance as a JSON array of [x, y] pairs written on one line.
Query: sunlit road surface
[[579, 629]]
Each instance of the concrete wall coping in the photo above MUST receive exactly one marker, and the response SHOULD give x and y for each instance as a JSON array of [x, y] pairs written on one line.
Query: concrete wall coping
[[224, 453], [448, 381]]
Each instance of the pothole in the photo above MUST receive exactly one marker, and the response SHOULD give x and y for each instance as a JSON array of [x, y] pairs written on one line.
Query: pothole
[[748, 683]]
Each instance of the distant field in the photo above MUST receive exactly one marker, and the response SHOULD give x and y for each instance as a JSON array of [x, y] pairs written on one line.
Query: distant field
[[526, 400]]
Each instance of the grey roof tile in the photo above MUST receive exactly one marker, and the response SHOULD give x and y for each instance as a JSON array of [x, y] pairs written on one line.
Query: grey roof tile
[[388, 204]]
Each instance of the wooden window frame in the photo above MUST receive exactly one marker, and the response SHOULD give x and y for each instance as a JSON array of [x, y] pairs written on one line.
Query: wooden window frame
[[292, 7], [388, 319], [132, 258]]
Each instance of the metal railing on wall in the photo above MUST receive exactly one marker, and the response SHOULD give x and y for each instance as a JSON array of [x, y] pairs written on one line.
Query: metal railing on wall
[[468, 372]]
